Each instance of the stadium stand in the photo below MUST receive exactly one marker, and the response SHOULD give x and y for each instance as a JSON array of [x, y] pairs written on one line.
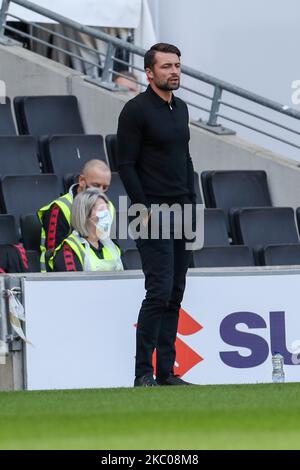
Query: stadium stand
[[66, 154], [223, 256], [124, 243], [60, 115], [131, 259], [8, 230], [7, 125], [298, 217], [280, 255], [19, 155], [216, 251], [30, 231], [233, 189], [197, 188], [111, 150], [33, 192], [33, 258], [116, 189], [257, 227], [215, 230]]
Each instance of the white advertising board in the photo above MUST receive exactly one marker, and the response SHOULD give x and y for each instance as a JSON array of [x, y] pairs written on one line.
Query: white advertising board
[[104, 13], [83, 330]]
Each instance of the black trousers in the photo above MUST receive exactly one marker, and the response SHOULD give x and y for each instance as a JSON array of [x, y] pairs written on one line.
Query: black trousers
[[165, 263]]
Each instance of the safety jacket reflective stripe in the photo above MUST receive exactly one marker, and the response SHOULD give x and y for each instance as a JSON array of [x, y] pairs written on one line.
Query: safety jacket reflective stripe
[[65, 204], [76, 244]]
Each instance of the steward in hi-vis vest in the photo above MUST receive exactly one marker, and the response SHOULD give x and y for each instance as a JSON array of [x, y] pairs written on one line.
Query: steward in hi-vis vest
[[76, 254], [56, 216], [64, 205]]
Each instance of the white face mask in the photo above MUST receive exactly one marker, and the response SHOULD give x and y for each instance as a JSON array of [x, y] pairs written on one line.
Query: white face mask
[[103, 226]]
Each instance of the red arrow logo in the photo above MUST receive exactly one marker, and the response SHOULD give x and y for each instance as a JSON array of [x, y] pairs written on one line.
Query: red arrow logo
[[186, 357]]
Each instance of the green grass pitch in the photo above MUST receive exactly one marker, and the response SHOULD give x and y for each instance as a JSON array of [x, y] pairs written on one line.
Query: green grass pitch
[[212, 417]]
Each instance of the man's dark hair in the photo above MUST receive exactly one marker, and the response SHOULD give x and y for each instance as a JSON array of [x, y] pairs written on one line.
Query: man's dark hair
[[149, 59]]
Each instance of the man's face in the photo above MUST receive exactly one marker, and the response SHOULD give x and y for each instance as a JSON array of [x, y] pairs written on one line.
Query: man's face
[[166, 71], [95, 178]]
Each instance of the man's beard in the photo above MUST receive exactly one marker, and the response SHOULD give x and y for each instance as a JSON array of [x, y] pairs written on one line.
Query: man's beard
[[168, 85]]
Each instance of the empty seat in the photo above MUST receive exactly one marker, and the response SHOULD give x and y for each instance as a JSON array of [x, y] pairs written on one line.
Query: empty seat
[[47, 115], [280, 255], [116, 190], [197, 188], [33, 258], [298, 218], [7, 125], [18, 155], [222, 257], [69, 180], [131, 259], [120, 231], [264, 226], [64, 154], [215, 228], [8, 230], [111, 150], [27, 194], [31, 231], [228, 189]]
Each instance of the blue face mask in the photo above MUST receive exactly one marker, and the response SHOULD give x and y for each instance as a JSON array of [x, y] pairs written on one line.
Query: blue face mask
[[104, 223]]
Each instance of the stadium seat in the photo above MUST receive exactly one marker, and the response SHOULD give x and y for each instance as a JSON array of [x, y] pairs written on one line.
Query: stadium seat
[[131, 259], [7, 125], [197, 188], [64, 154], [298, 218], [33, 261], [30, 231], [18, 156], [111, 150], [215, 229], [117, 189], [60, 115], [280, 255], [258, 227], [70, 179], [8, 230], [234, 189], [126, 242], [222, 257], [26, 194]]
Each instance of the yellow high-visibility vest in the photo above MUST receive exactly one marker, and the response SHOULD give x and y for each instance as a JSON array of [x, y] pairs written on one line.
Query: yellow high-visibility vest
[[87, 257], [65, 204]]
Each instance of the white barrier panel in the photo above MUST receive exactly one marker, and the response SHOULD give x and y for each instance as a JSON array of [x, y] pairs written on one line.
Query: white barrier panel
[[84, 335]]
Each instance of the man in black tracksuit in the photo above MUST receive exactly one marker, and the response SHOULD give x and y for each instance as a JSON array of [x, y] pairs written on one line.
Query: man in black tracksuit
[[156, 168]]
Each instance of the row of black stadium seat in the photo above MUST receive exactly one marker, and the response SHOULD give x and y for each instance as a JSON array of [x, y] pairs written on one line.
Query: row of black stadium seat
[[63, 148], [59, 154], [26, 194], [255, 230], [48, 118]]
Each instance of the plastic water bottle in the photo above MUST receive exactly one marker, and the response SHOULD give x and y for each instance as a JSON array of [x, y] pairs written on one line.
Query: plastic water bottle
[[278, 372]]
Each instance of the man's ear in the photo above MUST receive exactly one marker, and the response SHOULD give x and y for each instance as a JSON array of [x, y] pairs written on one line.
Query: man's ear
[[81, 182], [149, 73]]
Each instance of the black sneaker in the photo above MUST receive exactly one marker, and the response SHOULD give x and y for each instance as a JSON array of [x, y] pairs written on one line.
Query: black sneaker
[[173, 380], [145, 381]]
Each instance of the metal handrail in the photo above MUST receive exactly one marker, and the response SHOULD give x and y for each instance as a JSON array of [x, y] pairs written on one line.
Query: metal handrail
[[59, 49], [219, 86]]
